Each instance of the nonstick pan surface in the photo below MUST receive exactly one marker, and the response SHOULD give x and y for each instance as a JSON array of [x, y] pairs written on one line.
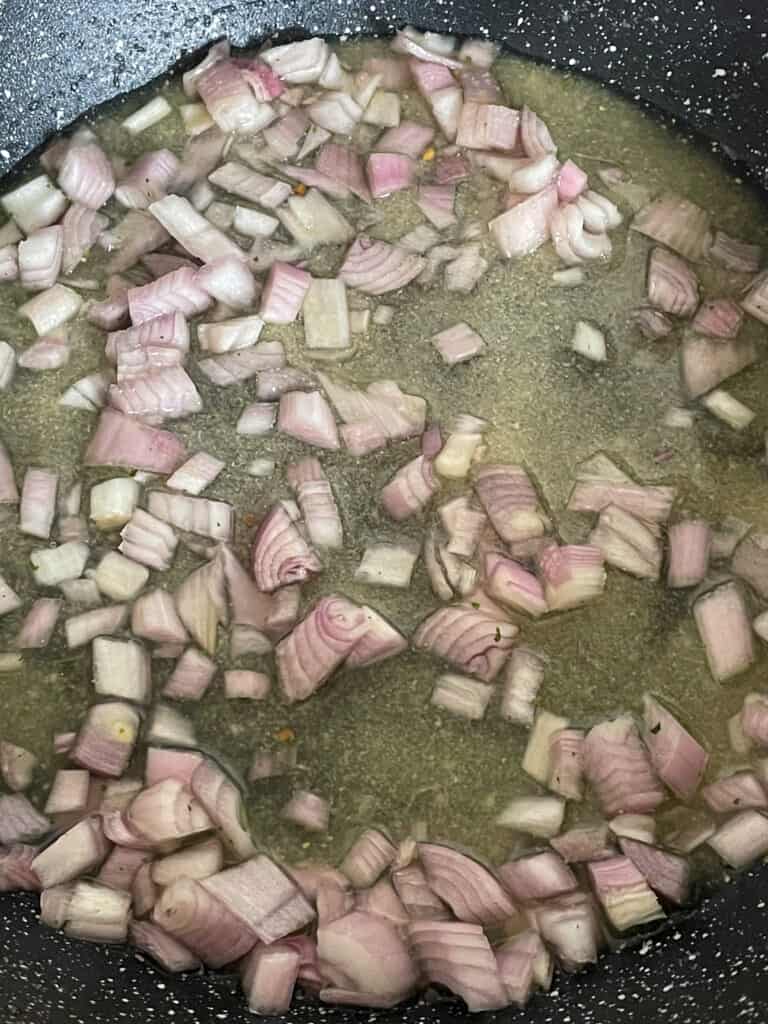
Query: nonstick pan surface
[[704, 64]]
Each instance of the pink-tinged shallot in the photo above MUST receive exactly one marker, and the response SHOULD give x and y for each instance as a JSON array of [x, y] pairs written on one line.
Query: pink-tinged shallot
[[9, 263], [201, 602], [192, 676], [38, 502], [619, 769], [9, 494], [409, 138], [148, 540], [462, 696], [230, 100], [168, 330], [379, 642], [307, 416], [750, 562], [573, 575], [458, 956], [599, 483], [742, 839], [235, 367], [76, 852], [589, 842], [40, 258], [689, 547], [201, 860], [488, 126], [364, 960], [50, 352], [171, 293], [540, 816], [623, 892], [308, 656], [672, 285], [735, 792], [230, 335], [470, 889], [9, 599], [679, 759], [209, 518], [307, 810], [202, 923], [284, 293], [268, 975], [566, 767], [523, 679], [106, 739], [223, 803], [86, 175], [229, 280], [16, 874], [196, 473], [627, 543], [280, 553], [147, 180], [754, 719], [119, 577], [571, 182], [678, 224], [458, 344], [39, 623], [572, 241], [120, 868], [17, 766], [123, 441], [137, 234], [81, 629], [367, 858], [49, 310], [539, 876], [388, 173], [522, 963], [410, 490], [724, 627], [510, 500], [510, 584], [164, 948], [421, 902], [525, 227], [343, 165], [166, 763], [263, 897], [166, 811], [718, 318], [652, 323], [733, 254], [471, 639], [168, 393], [376, 267], [382, 413], [20, 821], [199, 237], [426, 46], [317, 503], [247, 685], [248, 184]]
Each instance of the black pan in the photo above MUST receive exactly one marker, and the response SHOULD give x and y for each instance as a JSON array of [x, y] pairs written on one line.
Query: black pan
[[57, 59]]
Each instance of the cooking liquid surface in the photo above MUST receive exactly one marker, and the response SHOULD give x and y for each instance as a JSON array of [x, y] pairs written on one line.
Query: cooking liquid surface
[[369, 740]]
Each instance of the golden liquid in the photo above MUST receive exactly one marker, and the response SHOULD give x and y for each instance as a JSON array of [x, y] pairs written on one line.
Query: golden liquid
[[370, 740]]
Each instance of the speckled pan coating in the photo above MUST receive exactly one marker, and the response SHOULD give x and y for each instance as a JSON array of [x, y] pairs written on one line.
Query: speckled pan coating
[[700, 60], [695, 59]]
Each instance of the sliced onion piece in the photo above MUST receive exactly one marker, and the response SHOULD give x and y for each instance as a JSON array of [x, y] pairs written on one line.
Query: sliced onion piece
[[619, 769], [471, 890], [17, 766], [39, 624], [167, 951], [724, 627], [20, 821], [76, 852], [672, 285], [106, 739], [677, 223], [410, 490], [623, 892], [370, 855], [462, 696], [471, 639], [459, 957], [202, 923], [318, 645], [678, 758]]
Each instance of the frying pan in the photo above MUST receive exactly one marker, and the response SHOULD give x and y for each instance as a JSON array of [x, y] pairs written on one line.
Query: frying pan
[[704, 65]]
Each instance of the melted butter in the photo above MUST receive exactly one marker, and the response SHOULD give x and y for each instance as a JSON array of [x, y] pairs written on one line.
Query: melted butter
[[369, 740]]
